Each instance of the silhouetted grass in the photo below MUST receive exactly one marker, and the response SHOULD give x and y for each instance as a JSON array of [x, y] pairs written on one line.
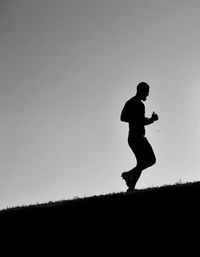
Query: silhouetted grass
[[147, 220], [146, 214], [175, 203]]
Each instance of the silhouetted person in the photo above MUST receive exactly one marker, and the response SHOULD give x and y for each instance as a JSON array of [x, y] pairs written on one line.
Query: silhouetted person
[[134, 113]]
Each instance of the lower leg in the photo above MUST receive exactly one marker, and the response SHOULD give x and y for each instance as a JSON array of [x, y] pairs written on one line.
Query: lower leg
[[136, 172], [131, 177], [135, 175], [127, 177]]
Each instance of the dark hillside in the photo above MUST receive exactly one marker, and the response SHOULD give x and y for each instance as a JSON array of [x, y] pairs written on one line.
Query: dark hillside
[[173, 209], [177, 204]]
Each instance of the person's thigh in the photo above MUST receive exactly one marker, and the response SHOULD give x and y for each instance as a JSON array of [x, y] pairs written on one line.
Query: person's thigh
[[143, 151]]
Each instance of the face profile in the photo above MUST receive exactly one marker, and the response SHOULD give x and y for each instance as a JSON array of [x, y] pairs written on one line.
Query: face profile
[[142, 91], [144, 94]]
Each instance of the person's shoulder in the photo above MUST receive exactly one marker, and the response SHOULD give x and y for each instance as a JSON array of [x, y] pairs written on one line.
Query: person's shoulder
[[135, 104], [130, 102], [134, 101]]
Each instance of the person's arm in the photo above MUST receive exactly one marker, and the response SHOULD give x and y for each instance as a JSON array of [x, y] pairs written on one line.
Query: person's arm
[[153, 118]]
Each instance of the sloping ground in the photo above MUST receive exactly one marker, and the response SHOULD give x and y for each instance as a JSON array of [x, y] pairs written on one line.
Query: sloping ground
[[165, 215], [179, 204]]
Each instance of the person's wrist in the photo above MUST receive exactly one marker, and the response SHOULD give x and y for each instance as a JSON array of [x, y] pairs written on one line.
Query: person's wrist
[[152, 119]]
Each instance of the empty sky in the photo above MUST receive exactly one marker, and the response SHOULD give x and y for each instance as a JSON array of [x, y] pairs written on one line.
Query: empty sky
[[66, 69]]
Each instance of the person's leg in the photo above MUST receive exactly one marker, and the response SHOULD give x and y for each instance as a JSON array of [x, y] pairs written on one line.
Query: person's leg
[[131, 178], [145, 158], [145, 154], [133, 175]]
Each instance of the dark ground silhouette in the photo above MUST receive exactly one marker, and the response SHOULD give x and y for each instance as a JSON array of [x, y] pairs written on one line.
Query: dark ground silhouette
[[167, 216], [134, 114], [175, 205]]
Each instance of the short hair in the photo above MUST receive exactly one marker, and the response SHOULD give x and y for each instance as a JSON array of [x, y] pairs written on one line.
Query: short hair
[[141, 86]]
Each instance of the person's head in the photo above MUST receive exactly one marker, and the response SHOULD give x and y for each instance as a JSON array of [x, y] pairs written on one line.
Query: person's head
[[142, 90]]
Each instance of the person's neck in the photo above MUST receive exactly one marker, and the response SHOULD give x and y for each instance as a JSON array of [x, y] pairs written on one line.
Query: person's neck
[[137, 97]]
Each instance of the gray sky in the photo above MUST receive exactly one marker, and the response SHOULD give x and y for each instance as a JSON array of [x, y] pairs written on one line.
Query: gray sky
[[66, 70]]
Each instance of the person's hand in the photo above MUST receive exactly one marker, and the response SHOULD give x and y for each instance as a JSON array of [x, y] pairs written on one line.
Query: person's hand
[[154, 116]]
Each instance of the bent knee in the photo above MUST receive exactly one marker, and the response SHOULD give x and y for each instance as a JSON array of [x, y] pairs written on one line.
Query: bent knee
[[151, 162]]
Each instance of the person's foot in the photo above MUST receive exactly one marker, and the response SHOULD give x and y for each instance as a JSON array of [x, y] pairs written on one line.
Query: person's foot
[[130, 189], [133, 178], [127, 177]]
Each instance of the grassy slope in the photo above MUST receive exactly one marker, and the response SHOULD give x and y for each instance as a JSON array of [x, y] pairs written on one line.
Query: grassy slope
[[164, 215], [175, 203]]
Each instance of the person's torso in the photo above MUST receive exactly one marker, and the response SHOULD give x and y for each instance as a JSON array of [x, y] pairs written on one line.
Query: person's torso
[[137, 114]]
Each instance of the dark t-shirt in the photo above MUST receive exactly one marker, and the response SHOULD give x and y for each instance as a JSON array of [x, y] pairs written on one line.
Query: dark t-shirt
[[134, 110]]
